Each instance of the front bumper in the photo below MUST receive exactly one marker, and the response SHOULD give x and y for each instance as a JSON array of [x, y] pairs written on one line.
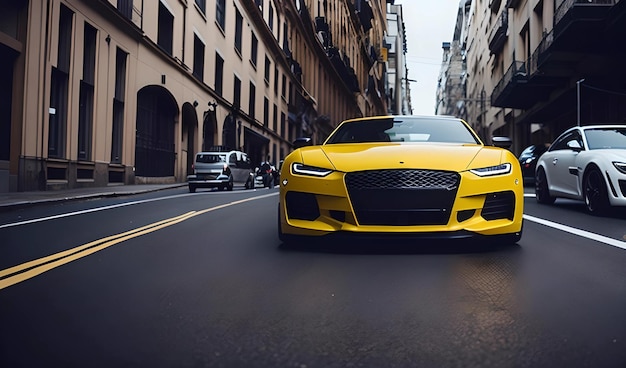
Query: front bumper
[[481, 206]]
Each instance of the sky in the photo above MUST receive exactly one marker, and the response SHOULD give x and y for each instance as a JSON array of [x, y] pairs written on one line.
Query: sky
[[428, 25]]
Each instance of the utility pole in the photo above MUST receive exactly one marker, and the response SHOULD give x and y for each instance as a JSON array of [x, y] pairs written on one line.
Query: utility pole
[[578, 100]]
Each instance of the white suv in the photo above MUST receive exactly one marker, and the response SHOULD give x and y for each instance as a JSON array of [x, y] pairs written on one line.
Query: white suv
[[220, 170]]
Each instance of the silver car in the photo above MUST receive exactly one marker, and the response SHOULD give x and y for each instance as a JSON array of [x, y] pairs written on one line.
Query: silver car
[[220, 170]]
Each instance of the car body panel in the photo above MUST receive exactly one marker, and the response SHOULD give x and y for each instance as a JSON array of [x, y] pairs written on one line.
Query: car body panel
[[335, 199], [566, 167]]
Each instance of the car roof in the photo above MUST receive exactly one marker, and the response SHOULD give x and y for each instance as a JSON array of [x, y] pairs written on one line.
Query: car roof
[[442, 117]]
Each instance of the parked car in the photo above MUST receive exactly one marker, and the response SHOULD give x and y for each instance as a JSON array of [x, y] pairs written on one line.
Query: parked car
[[220, 170], [528, 160], [410, 176], [585, 163]]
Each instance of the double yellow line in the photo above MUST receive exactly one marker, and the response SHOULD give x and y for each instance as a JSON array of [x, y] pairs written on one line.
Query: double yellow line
[[25, 271]]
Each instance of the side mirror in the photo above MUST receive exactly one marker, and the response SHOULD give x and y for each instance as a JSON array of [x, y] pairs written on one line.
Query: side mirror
[[302, 142], [502, 142], [574, 145]]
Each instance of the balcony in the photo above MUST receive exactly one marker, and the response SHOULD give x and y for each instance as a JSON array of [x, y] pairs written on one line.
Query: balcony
[[498, 33], [516, 89], [579, 31], [581, 15]]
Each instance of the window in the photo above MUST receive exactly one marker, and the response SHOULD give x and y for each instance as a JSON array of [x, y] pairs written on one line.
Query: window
[[282, 124], [259, 3], [219, 73], [238, 31], [118, 106], [198, 58], [266, 112], [283, 92], [253, 49], [275, 81], [59, 87], [268, 65], [220, 13], [275, 118], [86, 94], [270, 18], [201, 5], [125, 7], [251, 102], [165, 35], [237, 93]]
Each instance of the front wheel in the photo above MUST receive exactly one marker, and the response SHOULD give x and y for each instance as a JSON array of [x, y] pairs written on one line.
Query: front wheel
[[595, 192], [192, 188], [542, 193]]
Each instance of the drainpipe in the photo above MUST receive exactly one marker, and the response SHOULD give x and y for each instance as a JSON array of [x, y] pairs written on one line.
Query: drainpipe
[[41, 179]]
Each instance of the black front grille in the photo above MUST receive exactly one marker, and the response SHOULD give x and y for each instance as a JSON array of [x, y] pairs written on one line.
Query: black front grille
[[402, 197], [499, 206]]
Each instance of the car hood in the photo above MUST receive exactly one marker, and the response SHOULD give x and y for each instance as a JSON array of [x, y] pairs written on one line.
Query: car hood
[[613, 154], [358, 157]]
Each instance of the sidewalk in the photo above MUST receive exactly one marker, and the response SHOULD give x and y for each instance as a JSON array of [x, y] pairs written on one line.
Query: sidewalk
[[16, 199]]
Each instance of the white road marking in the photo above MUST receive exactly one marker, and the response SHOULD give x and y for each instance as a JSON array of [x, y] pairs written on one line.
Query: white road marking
[[572, 230], [577, 232], [97, 209]]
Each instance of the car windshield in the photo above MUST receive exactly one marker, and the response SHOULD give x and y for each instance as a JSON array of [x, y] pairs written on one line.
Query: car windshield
[[606, 138], [209, 158], [404, 129]]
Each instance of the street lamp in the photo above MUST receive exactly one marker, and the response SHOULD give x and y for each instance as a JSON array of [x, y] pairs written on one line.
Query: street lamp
[[578, 100]]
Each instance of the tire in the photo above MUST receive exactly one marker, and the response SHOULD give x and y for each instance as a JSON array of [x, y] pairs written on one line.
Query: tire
[[542, 193], [192, 188], [229, 187], [595, 192]]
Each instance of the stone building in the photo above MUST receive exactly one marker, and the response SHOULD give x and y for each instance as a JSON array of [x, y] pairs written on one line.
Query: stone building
[[544, 66], [398, 82], [108, 92]]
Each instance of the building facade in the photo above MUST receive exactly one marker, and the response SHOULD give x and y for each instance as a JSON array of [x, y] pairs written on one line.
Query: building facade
[[109, 92], [543, 66], [398, 82]]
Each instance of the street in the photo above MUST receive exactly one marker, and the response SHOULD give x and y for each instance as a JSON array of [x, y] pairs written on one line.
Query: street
[[174, 279]]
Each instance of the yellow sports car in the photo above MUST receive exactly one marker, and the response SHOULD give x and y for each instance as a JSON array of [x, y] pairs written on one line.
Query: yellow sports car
[[416, 176]]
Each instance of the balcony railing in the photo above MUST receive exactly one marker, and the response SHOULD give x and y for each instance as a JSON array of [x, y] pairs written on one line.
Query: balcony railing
[[516, 72], [566, 5], [544, 45], [498, 33]]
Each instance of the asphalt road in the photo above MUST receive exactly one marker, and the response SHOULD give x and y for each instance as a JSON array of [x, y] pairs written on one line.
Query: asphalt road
[[172, 279]]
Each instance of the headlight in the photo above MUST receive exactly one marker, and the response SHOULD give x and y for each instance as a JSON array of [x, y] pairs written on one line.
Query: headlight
[[621, 166], [493, 170], [302, 169]]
